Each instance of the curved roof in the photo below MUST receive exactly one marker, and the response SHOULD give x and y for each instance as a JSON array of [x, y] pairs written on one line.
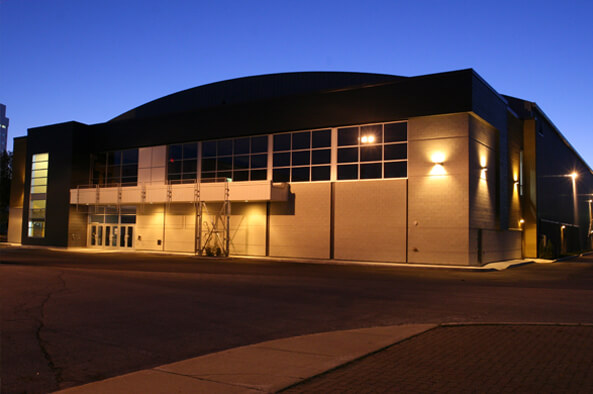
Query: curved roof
[[253, 88]]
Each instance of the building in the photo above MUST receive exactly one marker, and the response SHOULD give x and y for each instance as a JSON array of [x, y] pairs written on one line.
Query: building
[[3, 128], [437, 169]]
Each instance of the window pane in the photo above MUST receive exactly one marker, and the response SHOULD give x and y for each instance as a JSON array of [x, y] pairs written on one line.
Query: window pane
[[301, 140], [349, 171], [209, 165], [300, 174], [209, 148], [281, 175], [224, 164], [346, 155], [348, 136], [129, 219], [130, 156], [129, 170], [259, 175], [301, 158], [396, 132], [239, 176], [114, 158], [259, 161], [241, 146], [190, 151], [208, 175], [370, 171], [373, 131], [40, 157], [370, 153], [321, 156], [111, 218], [259, 144], [225, 147], [174, 177], [398, 169], [282, 142], [241, 162], [396, 151], [175, 167], [322, 138], [190, 165], [281, 159], [320, 173]]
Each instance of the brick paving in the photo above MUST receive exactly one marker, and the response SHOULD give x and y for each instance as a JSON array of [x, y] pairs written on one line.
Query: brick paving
[[471, 359]]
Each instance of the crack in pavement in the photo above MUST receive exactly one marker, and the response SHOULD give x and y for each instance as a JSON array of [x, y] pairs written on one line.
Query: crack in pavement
[[57, 371]]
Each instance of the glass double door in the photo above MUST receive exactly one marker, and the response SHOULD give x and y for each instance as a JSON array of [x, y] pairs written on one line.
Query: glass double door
[[111, 235]]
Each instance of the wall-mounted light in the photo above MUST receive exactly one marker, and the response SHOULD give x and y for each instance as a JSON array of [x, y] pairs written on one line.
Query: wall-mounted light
[[367, 139], [438, 158], [521, 222], [573, 175], [483, 167]]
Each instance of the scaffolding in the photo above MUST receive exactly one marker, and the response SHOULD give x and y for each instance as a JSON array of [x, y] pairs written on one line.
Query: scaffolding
[[213, 224]]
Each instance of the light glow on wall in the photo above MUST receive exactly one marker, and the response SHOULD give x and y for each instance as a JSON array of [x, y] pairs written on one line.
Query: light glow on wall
[[438, 158], [483, 167]]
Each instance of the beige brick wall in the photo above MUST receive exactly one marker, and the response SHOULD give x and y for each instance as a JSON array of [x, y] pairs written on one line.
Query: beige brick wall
[[149, 227], [370, 220], [180, 227], [438, 205], [482, 184], [300, 227], [496, 245], [248, 229], [15, 223]]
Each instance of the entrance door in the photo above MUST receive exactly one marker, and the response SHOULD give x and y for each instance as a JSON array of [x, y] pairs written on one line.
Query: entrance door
[[111, 235]]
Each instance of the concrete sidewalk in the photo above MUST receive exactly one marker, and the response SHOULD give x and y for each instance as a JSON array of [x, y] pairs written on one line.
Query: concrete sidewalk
[[471, 357], [264, 367]]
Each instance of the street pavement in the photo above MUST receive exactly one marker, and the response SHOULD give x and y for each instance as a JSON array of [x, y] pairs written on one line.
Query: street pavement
[[70, 319]]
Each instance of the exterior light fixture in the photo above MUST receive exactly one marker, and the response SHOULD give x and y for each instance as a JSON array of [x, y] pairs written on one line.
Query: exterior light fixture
[[562, 227], [573, 175], [521, 222], [438, 158], [367, 139]]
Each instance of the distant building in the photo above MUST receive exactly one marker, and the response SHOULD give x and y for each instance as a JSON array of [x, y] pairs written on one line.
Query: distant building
[[3, 128], [433, 169]]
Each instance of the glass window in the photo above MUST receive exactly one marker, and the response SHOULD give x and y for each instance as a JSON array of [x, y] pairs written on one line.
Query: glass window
[[300, 174], [281, 142], [281, 159], [259, 161], [397, 169], [396, 132], [370, 171], [209, 148], [348, 136], [370, 153], [396, 151], [348, 171], [259, 144], [190, 151], [320, 173], [301, 158], [322, 138], [225, 148], [37, 196], [241, 146], [322, 156], [346, 155], [240, 176], [241, 162], [373, 134], [281, 175], [301, 140], [259, 175]]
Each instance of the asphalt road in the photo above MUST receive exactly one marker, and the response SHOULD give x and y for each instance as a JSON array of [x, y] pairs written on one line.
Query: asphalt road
[[71, 318]]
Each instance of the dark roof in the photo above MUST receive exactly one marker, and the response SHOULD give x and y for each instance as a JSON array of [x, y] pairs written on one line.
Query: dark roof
[[254, 88]]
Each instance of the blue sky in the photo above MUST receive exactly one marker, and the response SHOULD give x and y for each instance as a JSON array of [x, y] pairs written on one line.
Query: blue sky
[[89, 61]]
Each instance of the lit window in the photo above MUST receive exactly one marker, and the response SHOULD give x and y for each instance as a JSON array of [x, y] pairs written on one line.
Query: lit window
[[38, 195]]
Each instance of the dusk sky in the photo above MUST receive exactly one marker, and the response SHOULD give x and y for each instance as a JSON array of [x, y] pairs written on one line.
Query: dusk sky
[[90, 61]]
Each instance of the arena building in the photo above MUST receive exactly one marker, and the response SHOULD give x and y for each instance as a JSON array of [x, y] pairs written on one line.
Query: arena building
[[433, 169]]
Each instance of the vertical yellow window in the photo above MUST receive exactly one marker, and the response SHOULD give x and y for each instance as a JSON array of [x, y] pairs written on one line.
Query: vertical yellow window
[[38, 195]]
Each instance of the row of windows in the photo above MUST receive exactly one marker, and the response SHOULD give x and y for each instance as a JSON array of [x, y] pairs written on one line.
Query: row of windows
[[363, 152], [119, 167]]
